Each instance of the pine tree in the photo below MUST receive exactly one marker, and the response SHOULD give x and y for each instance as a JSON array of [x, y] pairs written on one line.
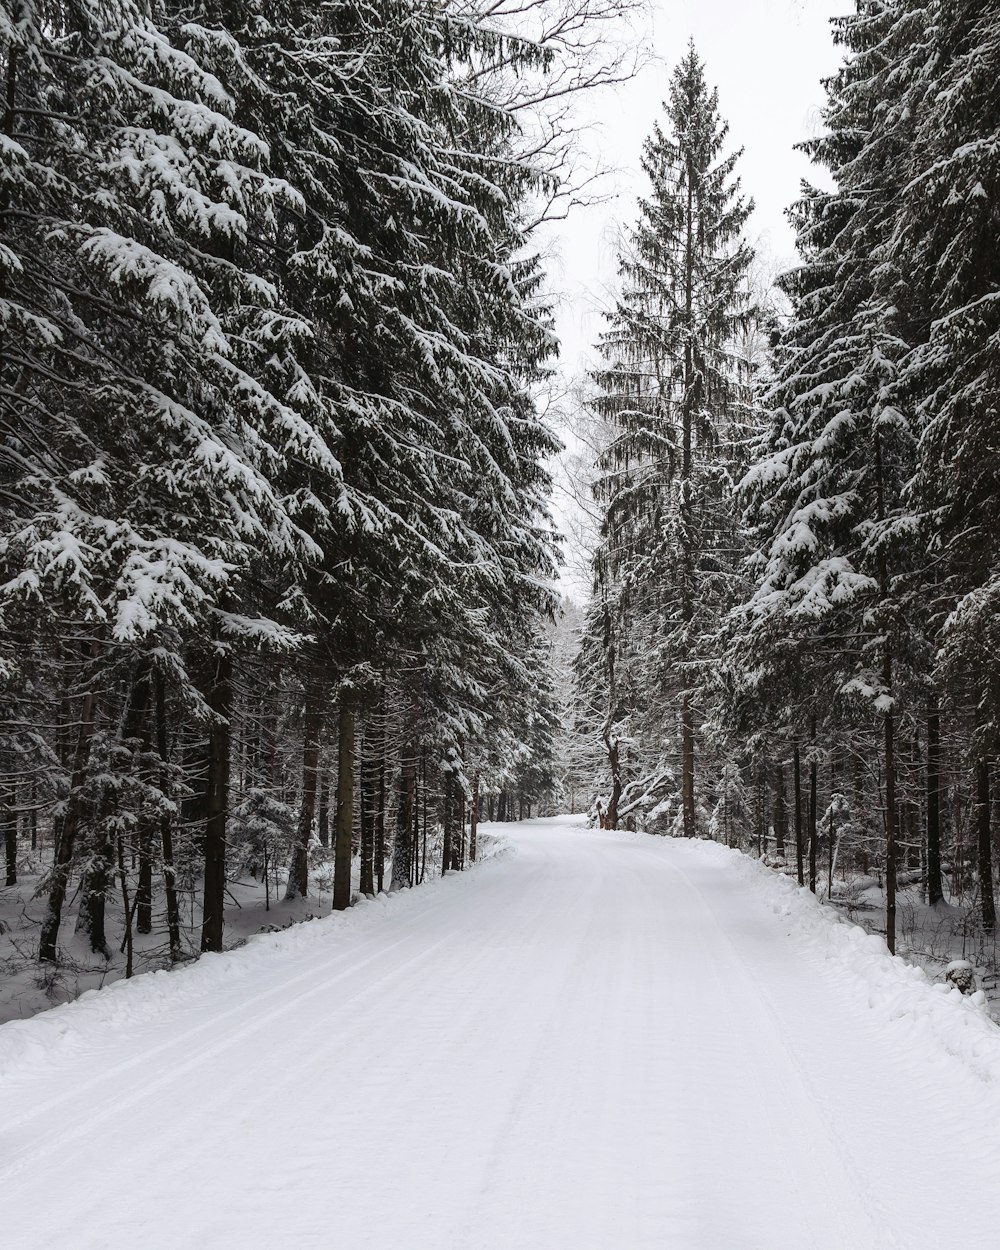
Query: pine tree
[[830, 625], [673, 389]]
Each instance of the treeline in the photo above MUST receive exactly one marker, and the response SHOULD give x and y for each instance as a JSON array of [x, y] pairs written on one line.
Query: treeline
[[275, 554], [793, 639]]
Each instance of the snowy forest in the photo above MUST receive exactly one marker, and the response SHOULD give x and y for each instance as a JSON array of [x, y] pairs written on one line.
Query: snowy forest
[[282, 411], [791, 645]]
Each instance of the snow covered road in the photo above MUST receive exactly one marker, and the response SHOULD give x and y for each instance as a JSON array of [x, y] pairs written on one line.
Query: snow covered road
[[594, 1042]]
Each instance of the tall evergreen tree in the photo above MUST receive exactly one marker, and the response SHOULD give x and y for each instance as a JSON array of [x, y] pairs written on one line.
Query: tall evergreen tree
[[673, 389]]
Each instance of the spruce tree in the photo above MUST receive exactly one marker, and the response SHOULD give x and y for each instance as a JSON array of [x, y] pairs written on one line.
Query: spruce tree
[[672, 389], [829, 630]]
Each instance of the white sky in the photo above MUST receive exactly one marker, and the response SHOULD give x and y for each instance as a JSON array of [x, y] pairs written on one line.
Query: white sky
[[767, 58]]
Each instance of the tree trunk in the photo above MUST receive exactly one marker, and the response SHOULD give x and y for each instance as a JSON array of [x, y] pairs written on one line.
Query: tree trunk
[[985, 857], [144, 888], [446, 849], [831, 831], [33, 814], [94, 891], [797, 776], [935, 884], [65, 832], [323, 823], [166, 829], [474, 819], [220, 701], [127, 944], [312, 733], [610, 818], [687, 767], [780, 812], [423, 835], [367, 796], [889, 733], [403, 843], [813, 802], [9, 819], [380, 815], [344, 822], [100, 870]]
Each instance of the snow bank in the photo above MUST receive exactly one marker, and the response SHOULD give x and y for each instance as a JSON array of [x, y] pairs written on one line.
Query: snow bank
[[899, 992], [73, 1027]]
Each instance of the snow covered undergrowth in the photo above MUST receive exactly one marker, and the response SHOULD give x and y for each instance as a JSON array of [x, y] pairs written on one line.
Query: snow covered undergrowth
[[254, 907], [929, 1011], [74, 1026]]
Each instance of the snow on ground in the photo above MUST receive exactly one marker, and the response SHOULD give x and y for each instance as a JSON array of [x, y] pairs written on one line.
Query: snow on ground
[[26, 988], [931, 937], [598, 1042]]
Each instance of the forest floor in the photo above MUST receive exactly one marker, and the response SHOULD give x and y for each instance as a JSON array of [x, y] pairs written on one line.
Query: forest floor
[[252, 907], [930, 937], [594, 1041]]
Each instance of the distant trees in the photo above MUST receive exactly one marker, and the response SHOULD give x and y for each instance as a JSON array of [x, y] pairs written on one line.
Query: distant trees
[[843, 665], [674, 392]]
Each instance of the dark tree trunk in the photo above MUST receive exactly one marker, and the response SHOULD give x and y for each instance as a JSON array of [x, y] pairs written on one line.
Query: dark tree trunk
[[889, 734], [448, 805], [831, 830], [687, 767], [194, 810], [985, 841], [9, 818], [474, 820], [94, 892], [166, 828], [98, 876], [780, 812], [423, 835], [144, 888], [369, 797], [373, 805], [813, 803], [797, 780], [380, 815], [458, 854], [323, 824], [609, 818], [935, 884], [127, 943], [312, 733], [66, 831], [33, 814], [404, 843], [344, 822], [220, 701], [888, 730]]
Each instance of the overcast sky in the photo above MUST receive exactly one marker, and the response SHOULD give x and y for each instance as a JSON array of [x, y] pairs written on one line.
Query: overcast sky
[[767, 58]]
